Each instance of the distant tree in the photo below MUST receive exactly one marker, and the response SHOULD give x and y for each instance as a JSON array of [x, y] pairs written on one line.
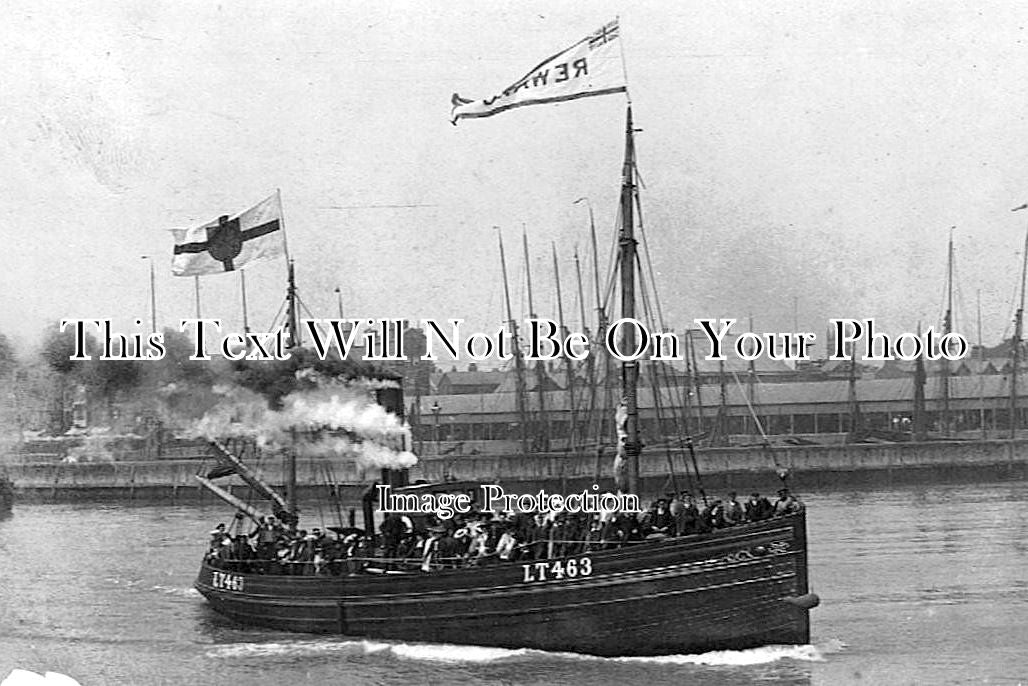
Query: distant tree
[[414, 344], [277, 379], [8, 360], [56, 352], [58, 348], [176, 367], [107, 378]]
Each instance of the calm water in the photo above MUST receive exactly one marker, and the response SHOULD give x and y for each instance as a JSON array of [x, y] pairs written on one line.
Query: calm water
[[918, 585]]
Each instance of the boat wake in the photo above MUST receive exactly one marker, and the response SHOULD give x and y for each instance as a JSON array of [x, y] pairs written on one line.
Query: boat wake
[[189, 592], [415, 651], [750, 656], [431, 652], [23, 677]]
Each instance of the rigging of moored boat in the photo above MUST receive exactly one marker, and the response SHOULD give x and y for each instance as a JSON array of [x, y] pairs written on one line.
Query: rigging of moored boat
[[606, 583]]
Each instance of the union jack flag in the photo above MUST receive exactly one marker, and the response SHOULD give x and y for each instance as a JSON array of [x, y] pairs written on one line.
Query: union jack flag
[[604, 35]]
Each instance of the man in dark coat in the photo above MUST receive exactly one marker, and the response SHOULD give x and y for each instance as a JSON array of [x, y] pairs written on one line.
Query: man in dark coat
[[758, 508]]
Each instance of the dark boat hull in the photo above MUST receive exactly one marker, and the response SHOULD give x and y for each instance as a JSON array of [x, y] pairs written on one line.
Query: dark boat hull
[[735, 588]]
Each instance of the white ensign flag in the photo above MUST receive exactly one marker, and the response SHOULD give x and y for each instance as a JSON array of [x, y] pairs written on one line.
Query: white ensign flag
[[592, 66], [230, 243]]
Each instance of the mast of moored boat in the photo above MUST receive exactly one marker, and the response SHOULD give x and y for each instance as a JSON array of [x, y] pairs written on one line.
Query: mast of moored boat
[[569, 372], [721, 420], [855, 427], [519, 370], [981, 372], [751, 391], [919, 428], [630, 369], [603, 400], [590, 361], [947, 326], [542, 432], [292, 313], [692, 368], [1016, 346]]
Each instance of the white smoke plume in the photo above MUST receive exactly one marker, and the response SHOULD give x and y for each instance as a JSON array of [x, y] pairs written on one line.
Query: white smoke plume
[[334, 419]]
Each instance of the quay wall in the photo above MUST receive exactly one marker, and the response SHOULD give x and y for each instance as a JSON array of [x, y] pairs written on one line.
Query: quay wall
[[174, 480], [810, 467]]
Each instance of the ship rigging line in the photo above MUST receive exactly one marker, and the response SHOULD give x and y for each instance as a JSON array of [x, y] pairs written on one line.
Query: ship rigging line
[[646, 251], [278, 314], [656, 370], [282, 307], [655, 389], [611, 287], [681, 395], [782, 473]]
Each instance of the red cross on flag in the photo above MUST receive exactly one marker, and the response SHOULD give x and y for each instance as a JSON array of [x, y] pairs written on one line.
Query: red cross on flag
[[230, 243]]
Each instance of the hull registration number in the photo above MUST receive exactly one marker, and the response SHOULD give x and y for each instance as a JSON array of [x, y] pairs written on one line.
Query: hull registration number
[[558, 570], [229, 582]]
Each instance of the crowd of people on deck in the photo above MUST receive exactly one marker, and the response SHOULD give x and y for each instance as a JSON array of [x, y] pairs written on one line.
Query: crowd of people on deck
[[278, 546]]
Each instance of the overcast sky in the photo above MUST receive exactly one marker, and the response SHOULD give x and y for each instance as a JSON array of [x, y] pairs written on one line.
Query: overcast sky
[[792, 153]]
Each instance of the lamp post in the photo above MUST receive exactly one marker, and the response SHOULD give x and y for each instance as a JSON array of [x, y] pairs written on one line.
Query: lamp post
[[339, 300], [435, 412], [153, 297], [588, 203]]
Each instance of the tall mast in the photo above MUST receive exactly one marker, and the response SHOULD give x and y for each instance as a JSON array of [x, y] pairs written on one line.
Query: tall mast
[[292, 311], [981, 371], [519, 370], [919, 428], [601, 314], [568, 369], [629, 370], [751, 391], [603, 399], [947, 326], [294, 342], [1016, 348], [721, 421], [542, 438], [590, 361], [854, 406], [581, 292], [693, 367]]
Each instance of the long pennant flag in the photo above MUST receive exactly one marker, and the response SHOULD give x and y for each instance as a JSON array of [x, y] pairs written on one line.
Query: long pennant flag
[[592, 66], [230, 243]]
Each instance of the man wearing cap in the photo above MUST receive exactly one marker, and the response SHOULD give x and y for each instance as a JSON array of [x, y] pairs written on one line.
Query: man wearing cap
[[505, 546], [732, 512], [661, 521], [266, 535], [242, 553], [687, 521], [217, 535], [430, 547], [786, 503], [392, 533], [758, 508]]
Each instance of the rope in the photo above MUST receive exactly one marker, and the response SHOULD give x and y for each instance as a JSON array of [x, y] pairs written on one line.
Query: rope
[[782, 472], [658, 405]]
